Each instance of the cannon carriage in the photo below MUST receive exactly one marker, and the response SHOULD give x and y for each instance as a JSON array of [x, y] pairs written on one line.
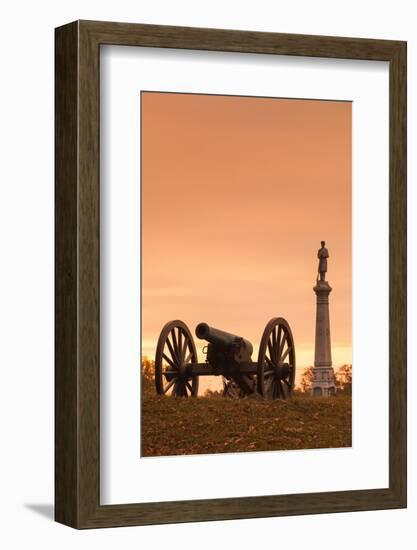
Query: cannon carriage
[[272, 376]]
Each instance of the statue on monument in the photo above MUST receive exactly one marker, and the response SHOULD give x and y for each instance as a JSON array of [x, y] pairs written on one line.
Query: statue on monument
[[322, 255], [323, 373]]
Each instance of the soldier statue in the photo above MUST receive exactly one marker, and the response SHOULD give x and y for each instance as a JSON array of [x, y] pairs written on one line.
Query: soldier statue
[[322, 255]]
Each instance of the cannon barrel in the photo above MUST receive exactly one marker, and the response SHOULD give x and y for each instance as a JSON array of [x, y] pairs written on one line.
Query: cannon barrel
[[221, 339]]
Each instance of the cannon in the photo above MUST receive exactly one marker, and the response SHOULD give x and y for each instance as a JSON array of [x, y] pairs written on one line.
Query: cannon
[[272, 376]]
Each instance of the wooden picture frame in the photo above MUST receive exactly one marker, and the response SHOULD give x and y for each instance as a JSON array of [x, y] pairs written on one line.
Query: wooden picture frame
[[77, 359]]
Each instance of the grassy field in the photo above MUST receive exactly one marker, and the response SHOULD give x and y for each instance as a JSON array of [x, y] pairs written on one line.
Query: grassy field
[[178, 426]]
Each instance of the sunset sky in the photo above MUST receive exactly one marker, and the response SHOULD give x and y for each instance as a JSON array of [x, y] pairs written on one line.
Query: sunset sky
[[237, 194]]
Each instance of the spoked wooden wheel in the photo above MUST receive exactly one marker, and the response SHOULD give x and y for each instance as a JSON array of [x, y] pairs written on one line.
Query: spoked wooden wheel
[[276, 361], [175, 351]]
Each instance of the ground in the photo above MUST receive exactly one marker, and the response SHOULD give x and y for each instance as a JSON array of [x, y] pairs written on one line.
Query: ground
[[206, 425]]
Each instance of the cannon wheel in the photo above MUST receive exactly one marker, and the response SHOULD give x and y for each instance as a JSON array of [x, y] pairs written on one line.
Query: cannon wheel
[[276, 361], [174, 351]]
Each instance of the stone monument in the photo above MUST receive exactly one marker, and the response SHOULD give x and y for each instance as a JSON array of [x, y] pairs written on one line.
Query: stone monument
[[323, 374]]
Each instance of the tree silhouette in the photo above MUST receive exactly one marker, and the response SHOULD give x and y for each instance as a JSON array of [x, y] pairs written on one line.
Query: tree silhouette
[[344, 378], [148, 375], [306, 381]]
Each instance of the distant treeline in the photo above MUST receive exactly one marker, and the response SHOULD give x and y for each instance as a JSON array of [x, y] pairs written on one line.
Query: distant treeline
[[343, 377]]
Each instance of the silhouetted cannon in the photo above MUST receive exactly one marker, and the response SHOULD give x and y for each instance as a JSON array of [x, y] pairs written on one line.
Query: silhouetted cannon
[[272, 376], [226, 352], [224, 346]]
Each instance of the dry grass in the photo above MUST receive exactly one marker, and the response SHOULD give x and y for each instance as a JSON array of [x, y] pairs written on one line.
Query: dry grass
[[205, 425]]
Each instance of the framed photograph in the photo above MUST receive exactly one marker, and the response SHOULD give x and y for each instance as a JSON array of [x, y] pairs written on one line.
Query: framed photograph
[[230, 274]]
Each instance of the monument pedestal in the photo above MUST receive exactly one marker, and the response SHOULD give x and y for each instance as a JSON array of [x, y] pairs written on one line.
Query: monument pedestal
[[323, 373]]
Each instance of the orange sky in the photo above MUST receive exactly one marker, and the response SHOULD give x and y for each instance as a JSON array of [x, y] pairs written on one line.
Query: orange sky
[[237, 194]]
